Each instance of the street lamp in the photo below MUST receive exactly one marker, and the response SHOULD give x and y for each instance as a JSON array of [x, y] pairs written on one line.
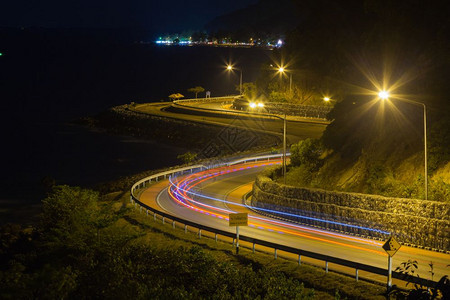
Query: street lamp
[[384, 95], [282, 70], [261, 105], [230, 68]]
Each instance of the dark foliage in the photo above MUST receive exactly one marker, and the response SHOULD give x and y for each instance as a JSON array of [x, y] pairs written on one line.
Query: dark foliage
[[79, 251], [420, 292]]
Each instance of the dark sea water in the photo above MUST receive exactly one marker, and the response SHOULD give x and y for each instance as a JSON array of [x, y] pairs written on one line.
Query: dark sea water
[[47, 82]]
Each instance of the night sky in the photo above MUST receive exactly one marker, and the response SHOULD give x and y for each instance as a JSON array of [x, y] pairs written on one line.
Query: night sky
[[157, 16]]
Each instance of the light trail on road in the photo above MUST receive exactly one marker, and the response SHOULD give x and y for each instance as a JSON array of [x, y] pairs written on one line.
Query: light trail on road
[[209, 196], [207, 199], [181, 192]]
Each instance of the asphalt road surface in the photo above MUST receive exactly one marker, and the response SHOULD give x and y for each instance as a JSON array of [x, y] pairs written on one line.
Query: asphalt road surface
[[296, 129], [209, 200], [208, 197]]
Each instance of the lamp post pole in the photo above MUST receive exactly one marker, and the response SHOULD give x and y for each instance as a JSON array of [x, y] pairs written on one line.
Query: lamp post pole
[[230, 68], [282, 70], [240, 83], [425, 148], [284, 142], [385, 95], [284, 147], [284, 137], [290, 83], [424, 141]]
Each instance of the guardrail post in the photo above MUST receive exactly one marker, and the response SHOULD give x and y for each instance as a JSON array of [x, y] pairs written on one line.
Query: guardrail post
[[163, 219], [356, 275], [147, 212], [233, 242], [185, 228], [215, 237], [299, 259], [326, 267], [253, 247], [199, 233], [140, 209], [275, 253], [173, 224], [154, 216]]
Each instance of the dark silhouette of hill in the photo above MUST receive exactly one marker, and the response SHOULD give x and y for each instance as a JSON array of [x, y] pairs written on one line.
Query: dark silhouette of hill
[[267, 17]]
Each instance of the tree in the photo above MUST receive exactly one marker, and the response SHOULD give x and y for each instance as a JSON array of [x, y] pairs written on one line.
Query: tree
[[196, 90], [306, 153], [67, 215], [248, 90], [304, 92], [176, 96], [187, 157]]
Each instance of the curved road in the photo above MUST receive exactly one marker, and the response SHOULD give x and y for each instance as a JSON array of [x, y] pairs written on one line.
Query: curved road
[[207, 198], [296, 129]]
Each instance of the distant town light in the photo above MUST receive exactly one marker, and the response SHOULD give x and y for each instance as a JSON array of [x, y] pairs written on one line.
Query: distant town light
[[326, 99], [281, 69], [260, 104], [252, 104], [229, 67], [164, 42]]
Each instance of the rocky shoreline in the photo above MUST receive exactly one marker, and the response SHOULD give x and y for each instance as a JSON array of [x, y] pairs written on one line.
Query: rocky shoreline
[[205, 139]]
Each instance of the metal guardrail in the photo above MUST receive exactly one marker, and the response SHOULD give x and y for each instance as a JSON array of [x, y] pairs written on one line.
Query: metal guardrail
[[147, 180], [204, 100], [185, 104], [255, 159], [296, 251]]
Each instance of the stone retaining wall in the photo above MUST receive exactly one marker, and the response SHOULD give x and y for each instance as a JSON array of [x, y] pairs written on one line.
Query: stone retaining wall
[[419, 222]]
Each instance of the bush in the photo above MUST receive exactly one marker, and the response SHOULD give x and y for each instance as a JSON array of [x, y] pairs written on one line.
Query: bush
[[187, 157], [71, 259], [306, 153]]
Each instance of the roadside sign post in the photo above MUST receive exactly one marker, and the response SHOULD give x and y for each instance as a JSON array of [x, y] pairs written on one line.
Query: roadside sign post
[[391, 247], [237, 239], [389, 279], [238, 219]]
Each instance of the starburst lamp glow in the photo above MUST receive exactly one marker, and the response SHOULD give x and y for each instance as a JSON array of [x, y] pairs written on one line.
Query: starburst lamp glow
[[383, 95]]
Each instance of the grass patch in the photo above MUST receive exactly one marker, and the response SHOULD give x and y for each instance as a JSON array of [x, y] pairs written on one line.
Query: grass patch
[[326, 286]]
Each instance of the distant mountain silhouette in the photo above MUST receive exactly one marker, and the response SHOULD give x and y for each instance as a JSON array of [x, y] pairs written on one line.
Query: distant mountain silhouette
[[266, 17]]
